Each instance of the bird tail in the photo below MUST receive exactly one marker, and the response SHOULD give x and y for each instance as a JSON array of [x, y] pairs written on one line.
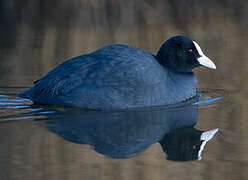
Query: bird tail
[[27, 94]]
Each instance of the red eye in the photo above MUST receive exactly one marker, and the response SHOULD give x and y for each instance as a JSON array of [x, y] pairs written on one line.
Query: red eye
[[191, 51]]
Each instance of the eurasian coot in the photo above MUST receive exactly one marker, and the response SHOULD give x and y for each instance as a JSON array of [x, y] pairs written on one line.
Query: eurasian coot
[[120, 77]]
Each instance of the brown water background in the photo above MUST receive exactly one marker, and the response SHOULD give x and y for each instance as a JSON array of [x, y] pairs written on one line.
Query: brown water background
[[37, 35]]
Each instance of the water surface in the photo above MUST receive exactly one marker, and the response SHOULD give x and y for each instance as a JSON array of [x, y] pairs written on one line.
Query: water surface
[[41, 142]]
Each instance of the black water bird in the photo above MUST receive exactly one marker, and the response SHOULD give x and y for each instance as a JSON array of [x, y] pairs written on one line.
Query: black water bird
[[122, 77]]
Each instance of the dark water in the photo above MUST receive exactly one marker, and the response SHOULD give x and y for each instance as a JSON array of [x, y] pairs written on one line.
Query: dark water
[[38, 142]]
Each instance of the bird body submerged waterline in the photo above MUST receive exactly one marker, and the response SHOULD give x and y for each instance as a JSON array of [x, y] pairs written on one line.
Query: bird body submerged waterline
[[121, 77]]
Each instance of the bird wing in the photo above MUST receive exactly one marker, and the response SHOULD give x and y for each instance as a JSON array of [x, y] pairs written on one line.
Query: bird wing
[[112, 66], [64, 77]]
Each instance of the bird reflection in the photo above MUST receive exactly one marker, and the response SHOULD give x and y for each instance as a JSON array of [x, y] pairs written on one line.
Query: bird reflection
[[186, 144], [125, 133]]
